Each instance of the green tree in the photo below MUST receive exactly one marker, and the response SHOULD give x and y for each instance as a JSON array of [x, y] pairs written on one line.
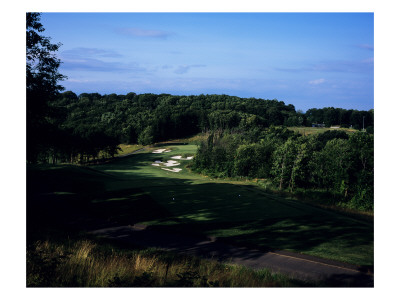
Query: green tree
[[283, 159], [146, 137], [254, 160], [42, 86], [245, 163], [362, 170], [332, 166], [303, 148]]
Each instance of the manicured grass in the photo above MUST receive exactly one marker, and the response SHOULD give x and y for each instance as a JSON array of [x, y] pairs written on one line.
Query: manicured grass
[[131, 190]]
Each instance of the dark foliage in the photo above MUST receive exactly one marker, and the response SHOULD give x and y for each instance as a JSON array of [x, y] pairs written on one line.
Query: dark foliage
[[333, 161], [331, 116], [93, 125], [42, 87]]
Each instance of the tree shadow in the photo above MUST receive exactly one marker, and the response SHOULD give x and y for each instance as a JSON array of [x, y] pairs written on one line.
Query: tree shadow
[[71, 198], [308, 271], [346, 280]]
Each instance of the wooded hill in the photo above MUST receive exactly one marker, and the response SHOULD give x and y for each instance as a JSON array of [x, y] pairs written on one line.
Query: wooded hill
[[85, 125], [247, 138]]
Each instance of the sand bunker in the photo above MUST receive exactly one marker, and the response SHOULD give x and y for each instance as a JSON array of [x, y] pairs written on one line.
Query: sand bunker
[[182, 158], [171, 163], [176, 170], [159, 150]]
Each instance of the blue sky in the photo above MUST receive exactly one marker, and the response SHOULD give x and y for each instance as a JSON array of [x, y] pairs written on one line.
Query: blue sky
[[305, 59]]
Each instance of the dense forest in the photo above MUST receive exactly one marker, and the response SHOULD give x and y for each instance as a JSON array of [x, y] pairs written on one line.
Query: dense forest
[[85, 126], [335, 163]]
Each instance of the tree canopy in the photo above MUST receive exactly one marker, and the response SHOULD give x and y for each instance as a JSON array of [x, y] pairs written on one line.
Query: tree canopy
[[42, 86], [341, 167]]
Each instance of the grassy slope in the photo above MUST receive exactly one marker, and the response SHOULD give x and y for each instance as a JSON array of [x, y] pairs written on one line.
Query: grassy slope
[[257, 219], [64, 200], [127, 149], [316, 130], [130, 190]]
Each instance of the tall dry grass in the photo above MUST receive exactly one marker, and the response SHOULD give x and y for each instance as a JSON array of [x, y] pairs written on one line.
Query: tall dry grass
[[86, 264]]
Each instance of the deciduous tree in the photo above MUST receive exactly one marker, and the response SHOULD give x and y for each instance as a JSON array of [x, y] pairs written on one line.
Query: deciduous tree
[[42, 85]]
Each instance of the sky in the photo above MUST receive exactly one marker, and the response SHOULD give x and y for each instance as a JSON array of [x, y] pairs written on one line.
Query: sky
[[310, 60]]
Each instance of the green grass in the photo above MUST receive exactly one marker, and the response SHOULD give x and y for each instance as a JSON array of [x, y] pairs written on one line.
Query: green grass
[[316, 130], [131, 190], [264, 222], [127, 149]]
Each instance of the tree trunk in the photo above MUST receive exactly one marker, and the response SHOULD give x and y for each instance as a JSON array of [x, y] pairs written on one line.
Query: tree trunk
[[281, 181]]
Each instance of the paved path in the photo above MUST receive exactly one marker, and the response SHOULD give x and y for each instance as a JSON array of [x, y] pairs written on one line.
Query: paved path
[[298, 266]]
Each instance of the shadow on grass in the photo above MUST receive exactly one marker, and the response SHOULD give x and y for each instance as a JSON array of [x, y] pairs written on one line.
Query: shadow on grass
[[320, 274], [68, 199], [71, 199]]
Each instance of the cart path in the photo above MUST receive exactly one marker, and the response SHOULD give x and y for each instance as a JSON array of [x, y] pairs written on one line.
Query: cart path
[[298, 266]]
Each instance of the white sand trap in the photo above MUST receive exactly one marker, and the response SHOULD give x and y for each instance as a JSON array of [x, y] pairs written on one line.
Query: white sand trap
[[182, 158], [167, 151], [176, 170], [171, 163], [159, 150]]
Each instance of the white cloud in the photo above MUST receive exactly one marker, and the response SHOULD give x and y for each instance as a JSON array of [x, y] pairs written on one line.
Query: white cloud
[[317, 81]]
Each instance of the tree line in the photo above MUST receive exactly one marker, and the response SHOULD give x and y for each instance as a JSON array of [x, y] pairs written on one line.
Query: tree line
[[330, 116], [90, 125], [332, 162]]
